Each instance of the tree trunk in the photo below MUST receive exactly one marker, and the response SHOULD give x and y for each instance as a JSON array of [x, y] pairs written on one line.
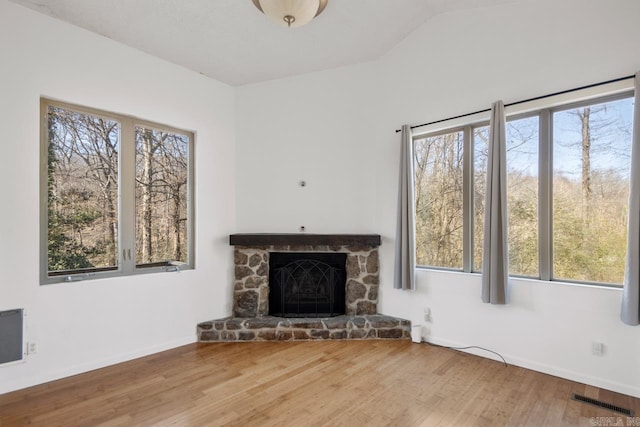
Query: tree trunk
[[586, 163], [175, 217], [146, 182], [112, 227]]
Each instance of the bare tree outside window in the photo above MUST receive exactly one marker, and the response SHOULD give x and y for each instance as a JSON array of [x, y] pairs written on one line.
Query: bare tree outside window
[[82, 193], [438, 166], [582, 214], [161, 196], [591, 157], [481, 151], [116, 195], [522, 196]]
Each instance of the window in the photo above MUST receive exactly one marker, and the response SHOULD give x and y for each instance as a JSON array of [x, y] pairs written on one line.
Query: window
[[567, 192], [522, 195], [438, 165], [591, 167], [116, 195]]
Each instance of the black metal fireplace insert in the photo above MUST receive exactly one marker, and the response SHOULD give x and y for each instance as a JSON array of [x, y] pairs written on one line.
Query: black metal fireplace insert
[[307, 284]]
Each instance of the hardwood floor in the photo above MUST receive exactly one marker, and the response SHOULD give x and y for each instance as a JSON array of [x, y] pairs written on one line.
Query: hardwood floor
[[324, 383]]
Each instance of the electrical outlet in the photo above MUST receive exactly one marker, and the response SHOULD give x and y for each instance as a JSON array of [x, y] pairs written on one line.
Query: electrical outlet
[[427, 314], [32, 347], [597, 348]]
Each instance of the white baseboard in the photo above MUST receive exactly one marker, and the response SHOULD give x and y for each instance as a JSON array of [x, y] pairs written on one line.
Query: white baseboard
[[9, 386], [628, 389]]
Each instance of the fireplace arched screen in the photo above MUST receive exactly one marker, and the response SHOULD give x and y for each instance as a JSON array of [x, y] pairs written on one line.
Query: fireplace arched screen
[[307, 284]]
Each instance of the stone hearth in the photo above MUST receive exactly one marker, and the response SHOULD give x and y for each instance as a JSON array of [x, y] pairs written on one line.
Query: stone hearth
[[271, 328], [251, 320]]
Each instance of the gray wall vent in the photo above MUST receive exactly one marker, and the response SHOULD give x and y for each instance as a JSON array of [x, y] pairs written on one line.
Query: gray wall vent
[[11, 335]]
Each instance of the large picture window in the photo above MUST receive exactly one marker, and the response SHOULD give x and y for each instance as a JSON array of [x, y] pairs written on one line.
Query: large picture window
[[567, 192], [116, 195], [591, 152]]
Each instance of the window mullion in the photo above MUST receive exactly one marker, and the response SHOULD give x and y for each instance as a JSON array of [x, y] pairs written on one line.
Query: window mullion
[[126, 221], [545, 209]]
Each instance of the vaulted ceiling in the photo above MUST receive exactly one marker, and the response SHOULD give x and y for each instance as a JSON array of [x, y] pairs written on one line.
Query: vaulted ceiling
[[231, 41]]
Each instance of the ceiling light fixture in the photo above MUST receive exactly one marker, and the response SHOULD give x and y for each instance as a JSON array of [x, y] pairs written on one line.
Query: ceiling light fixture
[[291, 13]]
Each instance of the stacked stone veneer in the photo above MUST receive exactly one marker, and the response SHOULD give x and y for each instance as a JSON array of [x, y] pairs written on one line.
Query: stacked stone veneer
[[251, 320], [304, 329], [251, 286]]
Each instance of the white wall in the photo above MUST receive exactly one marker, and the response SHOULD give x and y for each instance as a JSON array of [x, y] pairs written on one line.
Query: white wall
[[312, 129], [86, 325], [335, 128]]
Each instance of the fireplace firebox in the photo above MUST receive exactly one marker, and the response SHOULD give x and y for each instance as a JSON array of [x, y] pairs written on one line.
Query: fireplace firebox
[[307, 284]]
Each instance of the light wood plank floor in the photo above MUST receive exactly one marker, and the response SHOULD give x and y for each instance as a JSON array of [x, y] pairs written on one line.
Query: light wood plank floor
[[324, 383]]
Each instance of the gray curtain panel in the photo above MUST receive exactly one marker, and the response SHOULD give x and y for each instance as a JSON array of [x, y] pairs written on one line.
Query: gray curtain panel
[[495, 261], [631, 291], [405, 262]]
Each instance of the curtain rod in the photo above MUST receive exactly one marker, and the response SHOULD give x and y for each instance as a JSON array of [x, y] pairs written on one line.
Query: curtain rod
[[562, 92]]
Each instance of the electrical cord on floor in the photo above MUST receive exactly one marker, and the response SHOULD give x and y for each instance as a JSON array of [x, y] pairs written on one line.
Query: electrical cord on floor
[[468, 347]]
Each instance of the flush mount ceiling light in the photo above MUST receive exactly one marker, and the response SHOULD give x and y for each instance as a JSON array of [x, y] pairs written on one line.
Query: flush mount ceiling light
[[291, 13]]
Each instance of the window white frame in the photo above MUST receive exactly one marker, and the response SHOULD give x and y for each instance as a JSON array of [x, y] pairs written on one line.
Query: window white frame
[[545, 171], [126, 239]]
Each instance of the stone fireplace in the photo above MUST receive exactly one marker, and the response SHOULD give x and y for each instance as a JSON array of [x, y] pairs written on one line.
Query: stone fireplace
[[252, 255], [252, 319]]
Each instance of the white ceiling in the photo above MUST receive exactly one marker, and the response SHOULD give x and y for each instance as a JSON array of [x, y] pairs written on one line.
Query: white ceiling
[[231, 41]]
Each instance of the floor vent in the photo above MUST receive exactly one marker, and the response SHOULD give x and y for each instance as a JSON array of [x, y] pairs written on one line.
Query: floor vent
[[600, 404]]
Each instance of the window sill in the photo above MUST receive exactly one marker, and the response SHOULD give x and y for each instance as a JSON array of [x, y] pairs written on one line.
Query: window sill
[[533, 281]]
